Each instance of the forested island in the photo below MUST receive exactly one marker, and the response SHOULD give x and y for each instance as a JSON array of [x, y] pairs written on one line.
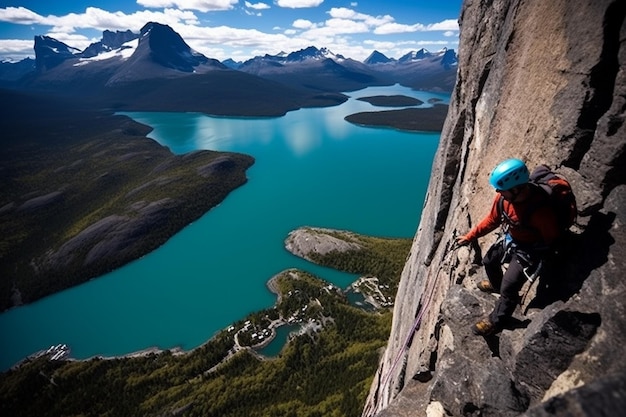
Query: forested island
[[415, 119], [428, 119], [392, 101]]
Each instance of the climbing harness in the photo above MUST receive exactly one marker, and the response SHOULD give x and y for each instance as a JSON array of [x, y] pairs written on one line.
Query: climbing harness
[[531, 277], [531, 269]]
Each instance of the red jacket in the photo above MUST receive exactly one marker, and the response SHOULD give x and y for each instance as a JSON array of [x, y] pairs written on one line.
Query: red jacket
[[538, 227]]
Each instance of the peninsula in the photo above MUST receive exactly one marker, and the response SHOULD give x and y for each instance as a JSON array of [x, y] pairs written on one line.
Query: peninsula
[[85, 191]]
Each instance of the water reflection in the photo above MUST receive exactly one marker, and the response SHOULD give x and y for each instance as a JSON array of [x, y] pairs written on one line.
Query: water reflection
[[283, 332], [312, 168], [302, 131]]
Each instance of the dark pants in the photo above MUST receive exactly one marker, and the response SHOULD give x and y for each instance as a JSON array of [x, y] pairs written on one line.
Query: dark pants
[[508, 283]]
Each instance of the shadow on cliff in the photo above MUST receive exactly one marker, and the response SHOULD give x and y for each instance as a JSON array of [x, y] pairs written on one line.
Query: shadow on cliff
[[579, 256]]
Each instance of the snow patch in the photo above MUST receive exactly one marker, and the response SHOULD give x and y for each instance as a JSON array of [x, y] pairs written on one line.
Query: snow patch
[[124, 52]]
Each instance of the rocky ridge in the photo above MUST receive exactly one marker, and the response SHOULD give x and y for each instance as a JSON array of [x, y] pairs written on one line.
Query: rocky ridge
[[305, 241], [563, 107]]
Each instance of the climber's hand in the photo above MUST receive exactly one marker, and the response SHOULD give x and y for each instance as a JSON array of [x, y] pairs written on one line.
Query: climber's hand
[[462, 241]]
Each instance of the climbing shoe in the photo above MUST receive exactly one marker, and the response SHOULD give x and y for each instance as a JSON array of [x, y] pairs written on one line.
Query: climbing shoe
[[485, 286], [484, 328]]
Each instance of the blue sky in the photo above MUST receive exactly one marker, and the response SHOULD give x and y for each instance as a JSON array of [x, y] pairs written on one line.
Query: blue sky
[[238, 29]]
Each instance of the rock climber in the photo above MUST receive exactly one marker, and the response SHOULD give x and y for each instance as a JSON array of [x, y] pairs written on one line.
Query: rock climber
[[530, 229]]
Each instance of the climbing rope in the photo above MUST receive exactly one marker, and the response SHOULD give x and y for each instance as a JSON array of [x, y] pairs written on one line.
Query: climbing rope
[[419, 315]]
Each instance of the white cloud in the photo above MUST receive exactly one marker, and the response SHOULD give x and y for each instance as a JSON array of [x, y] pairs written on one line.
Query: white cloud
[[75, 40], [384, 25], [257, 6], [342, 21], [101, 19], [298, 4], [392, 27], [16, 49], [440, 43], [449, 24], [19, 15], [340, 33], [200, 5], [344, 13], [208, 40], [339, 26], [303, 24], [98, 19]]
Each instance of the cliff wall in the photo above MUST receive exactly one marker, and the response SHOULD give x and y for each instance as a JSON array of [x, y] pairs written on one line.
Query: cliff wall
[[543, 81]]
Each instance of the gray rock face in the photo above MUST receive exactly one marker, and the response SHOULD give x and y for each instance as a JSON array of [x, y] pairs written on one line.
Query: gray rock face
[[306, 241], [41, 201], [108, 238], [603, 397], [544, 82]]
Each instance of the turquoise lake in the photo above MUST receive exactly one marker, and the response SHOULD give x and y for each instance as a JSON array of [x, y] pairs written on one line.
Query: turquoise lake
[[312, 169]]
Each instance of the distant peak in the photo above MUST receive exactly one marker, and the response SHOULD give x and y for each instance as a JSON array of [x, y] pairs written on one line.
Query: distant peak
[[50, 52], [312, 52], [415, 55], [377, 58], [169, 49]]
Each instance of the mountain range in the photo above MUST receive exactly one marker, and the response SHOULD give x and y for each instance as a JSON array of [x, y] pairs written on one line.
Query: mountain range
[[155, 69]]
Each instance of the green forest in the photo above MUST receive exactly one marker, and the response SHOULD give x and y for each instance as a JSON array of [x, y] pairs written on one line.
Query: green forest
[[324, 372]]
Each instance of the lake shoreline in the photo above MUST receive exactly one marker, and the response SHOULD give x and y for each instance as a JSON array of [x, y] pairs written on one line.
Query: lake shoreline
[[298, 178]]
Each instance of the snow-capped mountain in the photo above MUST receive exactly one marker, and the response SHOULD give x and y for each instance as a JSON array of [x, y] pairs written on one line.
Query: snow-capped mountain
[[420, 69], [11, 71], [446, 57], [123, 52], [415, 56], [111, 41], [50, 52], [155, 70], [312, 53], [313, 68], [158, 52], [449, 59], [120, 57], [309, 54], [161, 52], [167, 48]]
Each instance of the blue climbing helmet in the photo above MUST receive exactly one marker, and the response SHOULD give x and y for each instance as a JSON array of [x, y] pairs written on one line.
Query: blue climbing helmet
[[508, 174]]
